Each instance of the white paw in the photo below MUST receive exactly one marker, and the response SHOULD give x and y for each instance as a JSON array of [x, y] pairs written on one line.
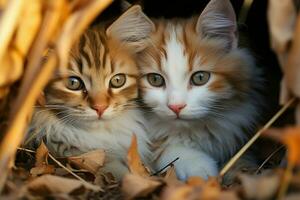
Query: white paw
[[117, 168], [184, 171], [191, 162]]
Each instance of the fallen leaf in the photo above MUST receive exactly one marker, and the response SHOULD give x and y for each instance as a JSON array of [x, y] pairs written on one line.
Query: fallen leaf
[[41, 164], [28, 28], [134, 162], [170, 177], [90, 161], [41, 154], [228, 195], [195, 188], [259, 187], [291, 138], [103, 179], [281, 18], [196, 181], [134, 186], [211, 188], [295, 196], [177, 193], [49, 184], [42, 169]]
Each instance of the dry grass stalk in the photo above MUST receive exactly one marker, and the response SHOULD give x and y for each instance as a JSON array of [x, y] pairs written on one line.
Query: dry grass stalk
[[291, 67], [9, 59], [233, 160], [68, 28]]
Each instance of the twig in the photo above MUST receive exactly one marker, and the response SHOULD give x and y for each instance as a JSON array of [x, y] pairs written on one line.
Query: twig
[[61, 165], [68, 170], [165, 167], [27, 150], [233, 160], [268, 158]]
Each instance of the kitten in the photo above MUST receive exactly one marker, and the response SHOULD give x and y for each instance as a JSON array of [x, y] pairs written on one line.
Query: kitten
[[201, 88], [92, 105]]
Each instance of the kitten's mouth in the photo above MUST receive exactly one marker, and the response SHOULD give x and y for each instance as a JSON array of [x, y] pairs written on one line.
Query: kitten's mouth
[[178, 118]]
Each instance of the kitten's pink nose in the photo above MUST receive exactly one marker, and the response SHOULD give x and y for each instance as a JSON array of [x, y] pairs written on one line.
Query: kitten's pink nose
[[176, 108], [99, 109]]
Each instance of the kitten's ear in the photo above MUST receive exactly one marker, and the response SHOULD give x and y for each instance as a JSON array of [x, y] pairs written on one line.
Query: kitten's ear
[[218, 20], [132, 27]]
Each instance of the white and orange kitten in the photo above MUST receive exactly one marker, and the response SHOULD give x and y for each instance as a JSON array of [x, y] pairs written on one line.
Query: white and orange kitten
[[199, 86], [92, 105]]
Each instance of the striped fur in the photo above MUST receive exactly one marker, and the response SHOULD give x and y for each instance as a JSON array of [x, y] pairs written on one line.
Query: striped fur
[[68, 122], [218, 114]]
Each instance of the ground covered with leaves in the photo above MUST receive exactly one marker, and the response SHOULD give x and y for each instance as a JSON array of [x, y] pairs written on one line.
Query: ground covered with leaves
[[39, 175]]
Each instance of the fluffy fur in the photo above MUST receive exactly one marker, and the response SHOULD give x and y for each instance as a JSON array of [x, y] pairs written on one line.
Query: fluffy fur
[[70, 122], [218, 114]]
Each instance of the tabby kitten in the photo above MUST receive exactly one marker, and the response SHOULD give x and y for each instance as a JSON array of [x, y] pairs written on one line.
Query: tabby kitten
[[199, 85], [92, 105]]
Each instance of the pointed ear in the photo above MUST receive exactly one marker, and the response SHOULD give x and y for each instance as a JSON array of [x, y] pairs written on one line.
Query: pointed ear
[[218, 20], [133, 27]]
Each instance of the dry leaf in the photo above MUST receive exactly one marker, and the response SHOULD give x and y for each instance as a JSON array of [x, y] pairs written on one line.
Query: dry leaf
[[134, 162], [41, 164], [134, 186], [42, 169], [41, 154], [49, 184], [211, 188], [28, 27], [103, 179], [291, 138], [230, 195], [90, 161], [295, 196], [8, 23], [259, 187], [281, 18], [171, 178], [196, 181], [178, 193], [11, 60], [196, 188]]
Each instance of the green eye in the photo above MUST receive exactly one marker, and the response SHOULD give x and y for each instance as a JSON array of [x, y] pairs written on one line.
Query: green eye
[[155, 80], [74, 83], [117, 81], [200, 78]]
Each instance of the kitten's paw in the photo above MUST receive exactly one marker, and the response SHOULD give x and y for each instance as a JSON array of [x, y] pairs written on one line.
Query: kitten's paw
[[59, 148], [204, 170], [117, 168]]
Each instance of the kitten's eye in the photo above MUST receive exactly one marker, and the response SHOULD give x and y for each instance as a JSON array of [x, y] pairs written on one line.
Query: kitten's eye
[[155, 80], [200, 78], [74, 83], [117, 81]]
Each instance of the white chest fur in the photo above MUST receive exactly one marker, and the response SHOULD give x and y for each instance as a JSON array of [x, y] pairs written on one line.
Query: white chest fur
[[114, 136]]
